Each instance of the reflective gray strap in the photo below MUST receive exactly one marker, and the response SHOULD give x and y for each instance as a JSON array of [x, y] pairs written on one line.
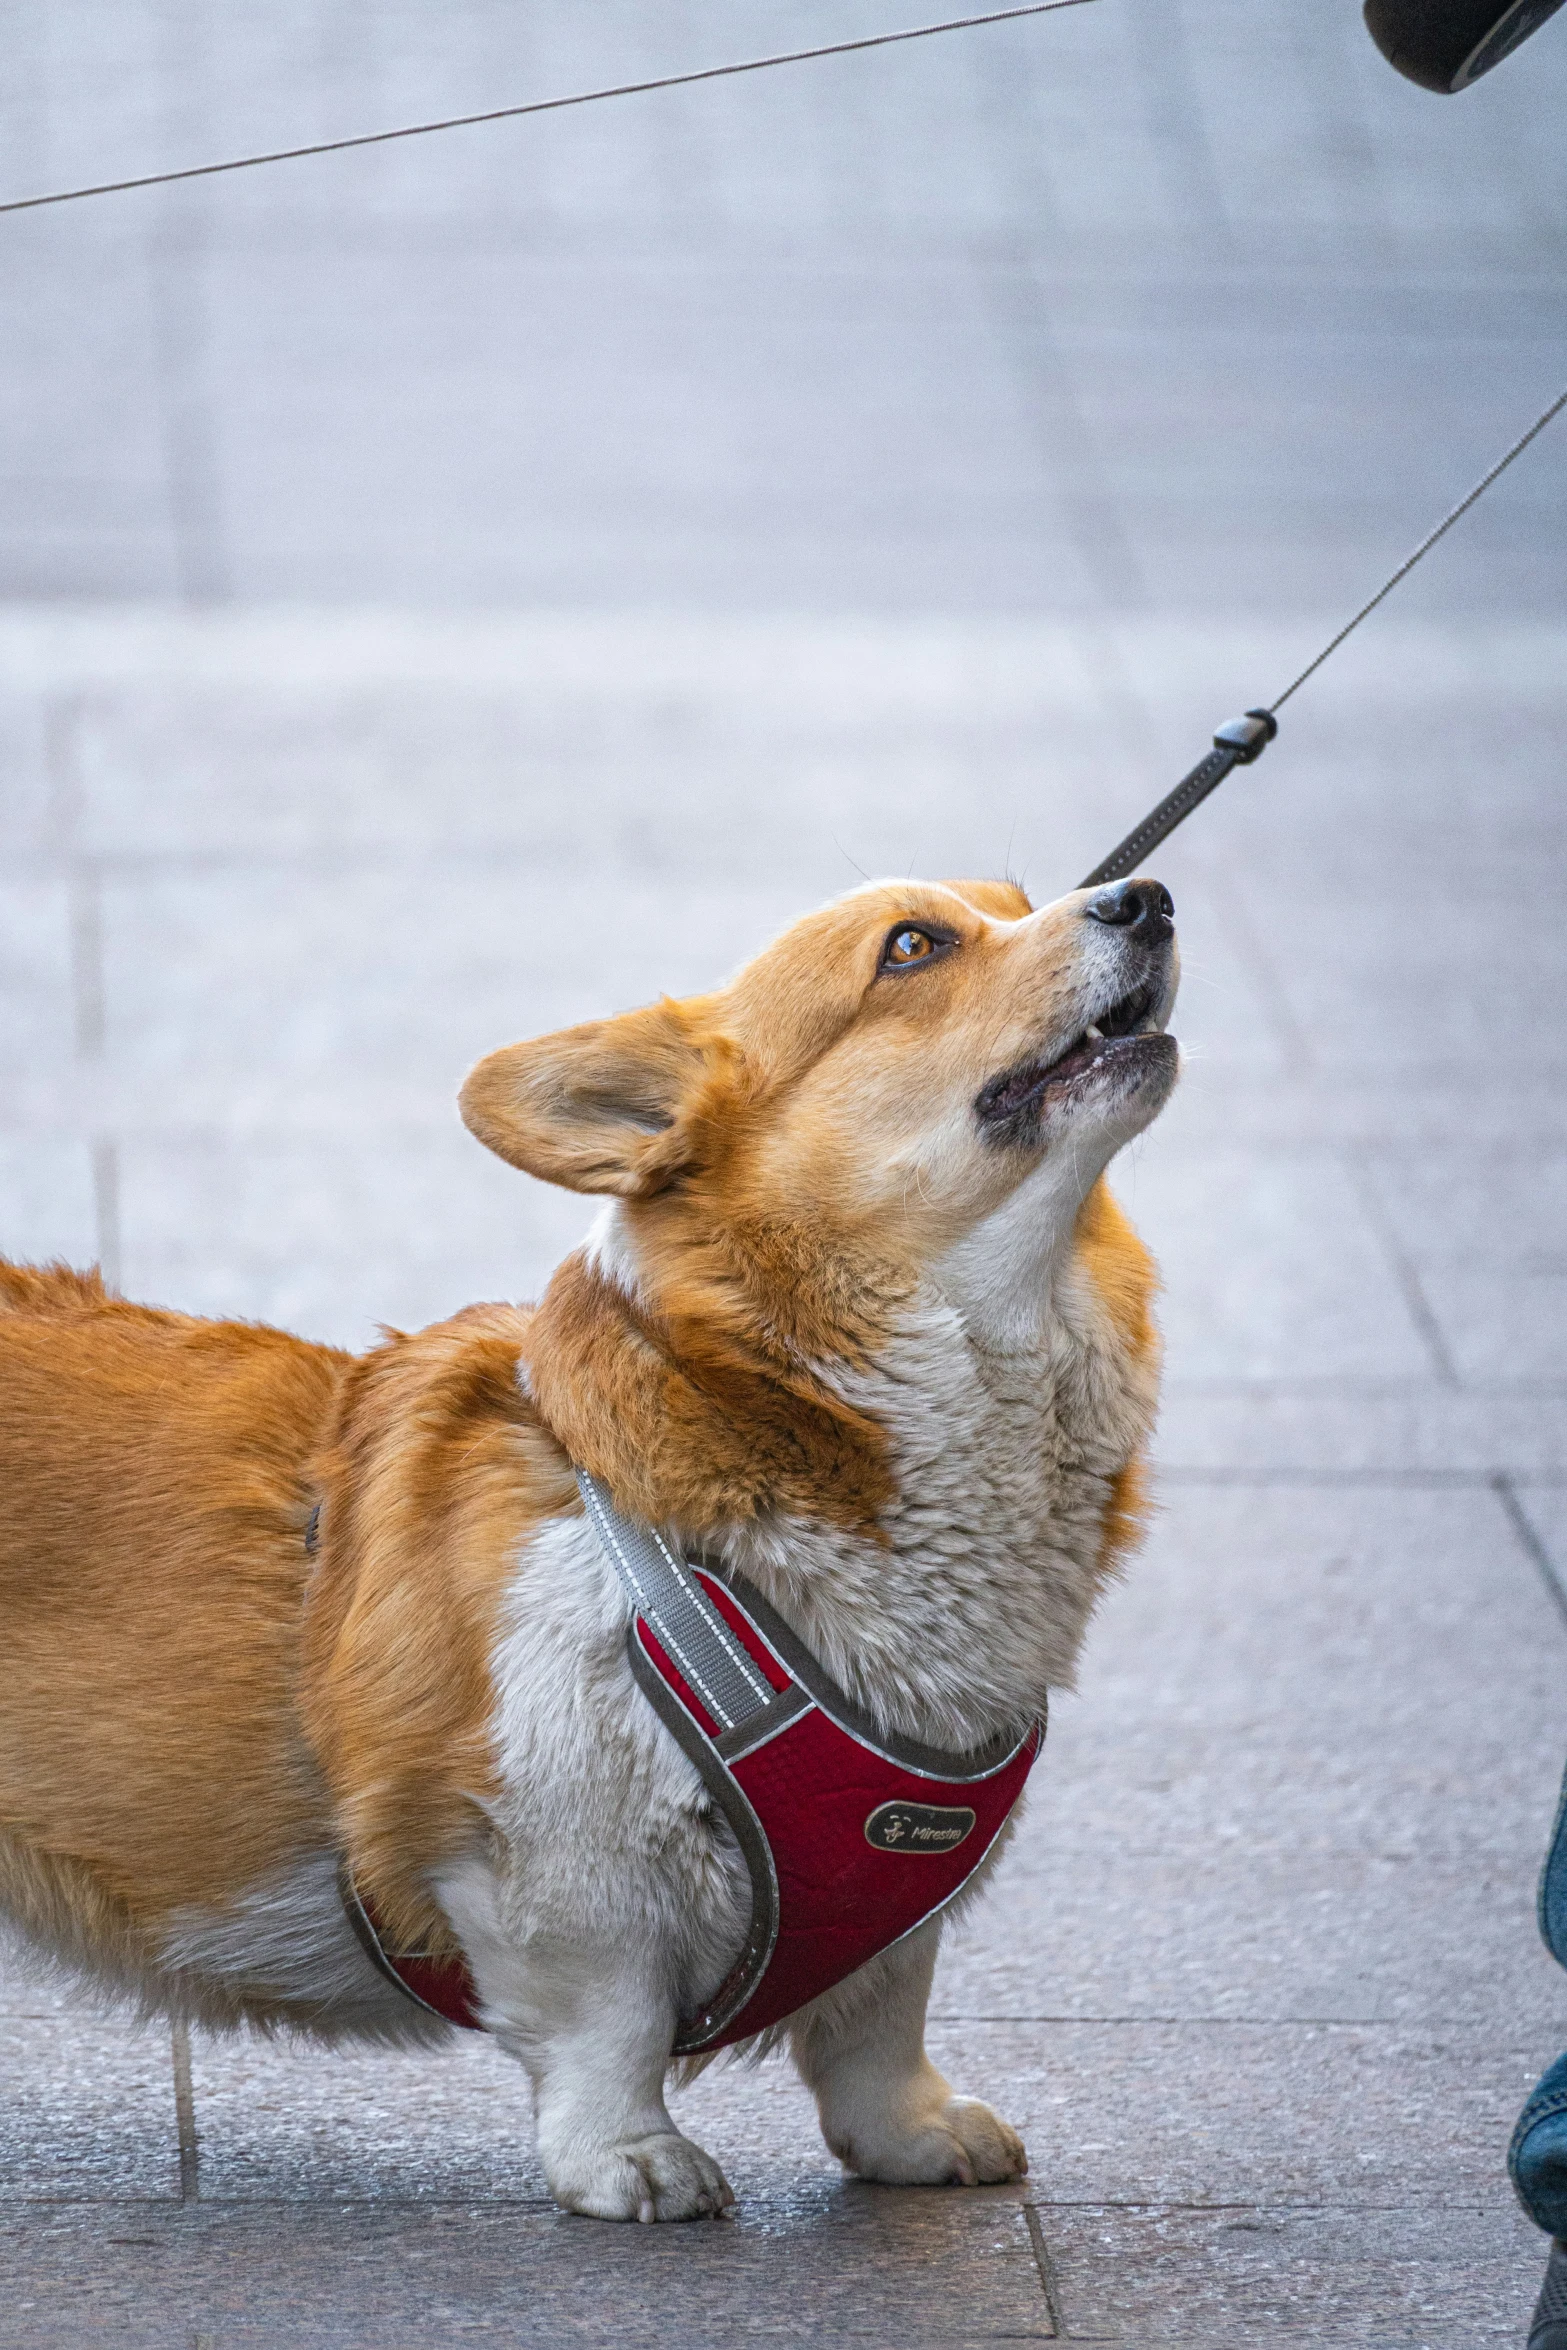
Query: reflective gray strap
[[678, 1612]]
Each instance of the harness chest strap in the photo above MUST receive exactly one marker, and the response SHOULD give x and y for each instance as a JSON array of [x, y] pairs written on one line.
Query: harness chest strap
[[852, 1838]]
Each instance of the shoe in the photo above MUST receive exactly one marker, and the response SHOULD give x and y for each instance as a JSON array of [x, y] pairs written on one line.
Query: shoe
[[1548, 2331]]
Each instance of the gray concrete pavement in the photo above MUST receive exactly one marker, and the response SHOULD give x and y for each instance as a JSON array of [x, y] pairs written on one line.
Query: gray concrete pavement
[[1261, 1981], [1157, 306], [475, 586]]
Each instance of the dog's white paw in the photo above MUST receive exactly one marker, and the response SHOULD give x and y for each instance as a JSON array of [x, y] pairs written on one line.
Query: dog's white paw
[[960, 2143], [660, 2177]]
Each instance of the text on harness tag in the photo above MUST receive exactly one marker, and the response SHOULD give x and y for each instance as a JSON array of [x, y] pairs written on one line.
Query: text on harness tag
[[918, 1827]]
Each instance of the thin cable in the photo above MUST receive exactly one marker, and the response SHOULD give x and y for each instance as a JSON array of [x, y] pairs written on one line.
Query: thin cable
[[1425, 546], [1244, 740], [458, 122]]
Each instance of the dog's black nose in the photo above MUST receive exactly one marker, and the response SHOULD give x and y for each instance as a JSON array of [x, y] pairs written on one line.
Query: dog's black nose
[[1145, 908]]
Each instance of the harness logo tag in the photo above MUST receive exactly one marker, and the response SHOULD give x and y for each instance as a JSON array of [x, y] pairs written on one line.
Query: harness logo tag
[[918, 1827]]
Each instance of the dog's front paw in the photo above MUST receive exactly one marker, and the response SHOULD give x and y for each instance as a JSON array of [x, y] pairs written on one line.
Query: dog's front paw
[[663, 2176], [959, 2143]]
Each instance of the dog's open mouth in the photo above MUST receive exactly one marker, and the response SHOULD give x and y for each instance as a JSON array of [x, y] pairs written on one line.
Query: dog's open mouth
[[1116, 1035]]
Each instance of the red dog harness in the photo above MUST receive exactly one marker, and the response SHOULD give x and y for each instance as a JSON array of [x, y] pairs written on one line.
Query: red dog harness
[[852, 1837]]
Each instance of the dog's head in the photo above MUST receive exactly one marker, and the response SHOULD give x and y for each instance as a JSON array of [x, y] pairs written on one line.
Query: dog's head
[[924, 1076]]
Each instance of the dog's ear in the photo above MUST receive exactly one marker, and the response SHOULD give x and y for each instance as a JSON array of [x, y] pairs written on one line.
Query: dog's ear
[[611, 1106]]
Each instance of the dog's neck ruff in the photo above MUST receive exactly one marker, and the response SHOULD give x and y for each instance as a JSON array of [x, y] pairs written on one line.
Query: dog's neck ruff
[[852, 1837]]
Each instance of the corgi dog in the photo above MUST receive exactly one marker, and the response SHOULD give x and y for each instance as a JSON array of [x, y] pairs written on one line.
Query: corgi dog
[[858, 1321]]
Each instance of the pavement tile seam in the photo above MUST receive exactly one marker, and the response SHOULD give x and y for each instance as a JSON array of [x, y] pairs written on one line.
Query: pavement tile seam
[[1260, 2023], [185, 2124], [1331, 1480], [1416, 1302], [1282, 2203], [1048, 2281], [1330, 1383], [1530, 1543]]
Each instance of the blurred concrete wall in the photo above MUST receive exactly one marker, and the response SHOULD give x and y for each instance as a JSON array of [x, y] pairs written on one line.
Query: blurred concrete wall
[[1168, 305], [477, 583]]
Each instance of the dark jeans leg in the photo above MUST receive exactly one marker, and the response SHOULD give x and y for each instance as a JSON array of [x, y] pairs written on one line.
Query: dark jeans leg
[[1548, 2327], [1537, 2157]]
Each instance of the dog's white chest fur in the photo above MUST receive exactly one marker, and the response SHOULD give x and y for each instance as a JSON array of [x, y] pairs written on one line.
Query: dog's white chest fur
[[949, 1624], [976, 1602], [949, 1627]]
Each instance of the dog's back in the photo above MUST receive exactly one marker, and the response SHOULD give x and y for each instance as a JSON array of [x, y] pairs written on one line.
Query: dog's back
[[157, 1480]]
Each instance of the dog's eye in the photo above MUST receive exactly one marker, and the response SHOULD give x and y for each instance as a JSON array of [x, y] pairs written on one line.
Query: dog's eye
[[907, 944]]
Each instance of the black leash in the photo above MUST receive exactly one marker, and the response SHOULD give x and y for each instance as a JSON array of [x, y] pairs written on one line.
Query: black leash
[[1240, 741]]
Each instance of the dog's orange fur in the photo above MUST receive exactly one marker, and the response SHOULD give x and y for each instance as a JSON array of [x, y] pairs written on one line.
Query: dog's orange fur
[[158, 1473], [181, 1715], [1123, 1274], [439, 1469]]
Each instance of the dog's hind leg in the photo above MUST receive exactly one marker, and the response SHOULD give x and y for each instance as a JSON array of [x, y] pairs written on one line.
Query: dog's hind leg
[[885, 2110]]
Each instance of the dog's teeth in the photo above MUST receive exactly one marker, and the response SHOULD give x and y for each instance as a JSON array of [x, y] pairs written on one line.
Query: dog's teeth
[[1093, 1034]]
